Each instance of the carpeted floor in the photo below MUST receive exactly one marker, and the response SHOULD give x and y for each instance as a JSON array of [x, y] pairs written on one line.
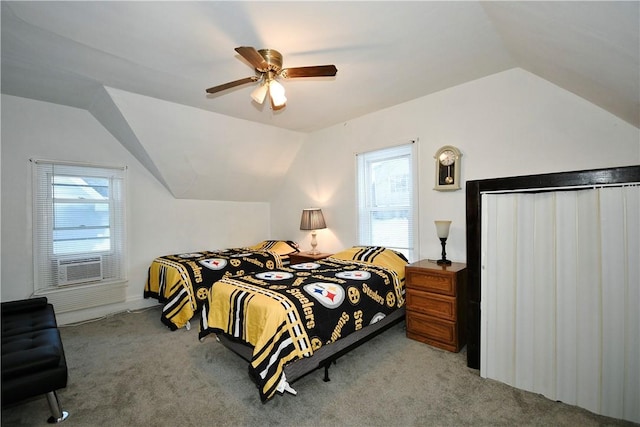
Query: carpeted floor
[[130, 370]]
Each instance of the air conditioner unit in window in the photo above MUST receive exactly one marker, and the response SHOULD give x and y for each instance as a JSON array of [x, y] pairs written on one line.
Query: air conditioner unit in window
[[79, 270]]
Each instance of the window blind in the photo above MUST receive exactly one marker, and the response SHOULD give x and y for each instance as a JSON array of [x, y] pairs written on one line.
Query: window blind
[[386, 199], [78, 224]]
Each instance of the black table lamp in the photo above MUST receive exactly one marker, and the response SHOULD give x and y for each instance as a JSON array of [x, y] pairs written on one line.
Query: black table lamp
[[442, 227]]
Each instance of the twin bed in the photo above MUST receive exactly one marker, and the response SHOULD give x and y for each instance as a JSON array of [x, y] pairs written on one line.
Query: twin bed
[[288, 320], [182, 281]]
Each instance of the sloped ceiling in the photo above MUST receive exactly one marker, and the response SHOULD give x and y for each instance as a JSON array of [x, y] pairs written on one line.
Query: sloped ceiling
[[196, 158], [107, 57]]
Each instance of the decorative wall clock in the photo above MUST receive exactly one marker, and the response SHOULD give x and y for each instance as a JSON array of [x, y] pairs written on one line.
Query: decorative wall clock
[[447, 168]]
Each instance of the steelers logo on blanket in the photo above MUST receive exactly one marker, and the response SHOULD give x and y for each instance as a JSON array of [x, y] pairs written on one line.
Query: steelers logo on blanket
[[377, 317], [192, 255], [213, 263], [327, 294], [274, 275], [305, 266], [202, 293], [355, 275], [391, 299], [316, 343], [354, 295]]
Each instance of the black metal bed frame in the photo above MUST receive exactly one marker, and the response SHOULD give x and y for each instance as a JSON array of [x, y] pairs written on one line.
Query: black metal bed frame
[[326, 355]]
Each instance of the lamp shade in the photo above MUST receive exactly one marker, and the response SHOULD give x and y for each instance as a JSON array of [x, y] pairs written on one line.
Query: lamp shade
[[442, 227], [276, 91], [312, 219], [259, 93]]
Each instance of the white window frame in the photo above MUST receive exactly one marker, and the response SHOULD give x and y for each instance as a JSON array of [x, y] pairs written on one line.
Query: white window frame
[[45, 261], [365, 206]]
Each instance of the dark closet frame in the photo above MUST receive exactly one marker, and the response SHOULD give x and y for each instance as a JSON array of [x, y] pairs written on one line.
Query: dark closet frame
[[543, 182]]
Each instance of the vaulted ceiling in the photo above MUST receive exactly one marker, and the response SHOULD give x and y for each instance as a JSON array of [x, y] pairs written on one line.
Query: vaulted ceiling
[[386, 52], [113, 58]]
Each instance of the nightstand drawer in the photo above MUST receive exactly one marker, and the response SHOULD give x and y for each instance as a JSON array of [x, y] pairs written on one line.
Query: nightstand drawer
[[430, 282], [432, 330], [432, 304]]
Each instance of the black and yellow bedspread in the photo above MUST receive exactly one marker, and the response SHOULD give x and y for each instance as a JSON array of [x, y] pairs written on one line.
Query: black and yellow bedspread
[[182, 281], [288, 313]]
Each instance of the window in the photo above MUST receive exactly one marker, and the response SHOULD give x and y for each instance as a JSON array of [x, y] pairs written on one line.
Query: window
[[78, 223], [386, 199]]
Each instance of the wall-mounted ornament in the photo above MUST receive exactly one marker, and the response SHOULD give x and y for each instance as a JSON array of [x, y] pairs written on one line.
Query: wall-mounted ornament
[[447, 168]]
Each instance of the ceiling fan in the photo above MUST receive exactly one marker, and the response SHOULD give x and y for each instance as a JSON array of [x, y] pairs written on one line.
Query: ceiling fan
[[268, 67]]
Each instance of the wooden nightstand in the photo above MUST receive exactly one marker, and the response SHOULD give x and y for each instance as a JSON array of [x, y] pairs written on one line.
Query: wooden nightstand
[[436, 304], [300, 257]]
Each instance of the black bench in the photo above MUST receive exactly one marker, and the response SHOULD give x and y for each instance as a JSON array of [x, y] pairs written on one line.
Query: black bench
[[33, 361]]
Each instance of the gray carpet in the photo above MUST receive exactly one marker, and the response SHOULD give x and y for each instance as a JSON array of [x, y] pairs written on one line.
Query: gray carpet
[[130, 370]]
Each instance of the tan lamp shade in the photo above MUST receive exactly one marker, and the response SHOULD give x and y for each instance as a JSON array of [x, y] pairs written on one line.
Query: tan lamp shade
[[312, 219]]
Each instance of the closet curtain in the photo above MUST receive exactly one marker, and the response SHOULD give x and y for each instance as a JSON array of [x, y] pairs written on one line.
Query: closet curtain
[[560, 288]]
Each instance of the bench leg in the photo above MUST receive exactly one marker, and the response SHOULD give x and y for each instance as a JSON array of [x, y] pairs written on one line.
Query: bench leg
[[57, 414]]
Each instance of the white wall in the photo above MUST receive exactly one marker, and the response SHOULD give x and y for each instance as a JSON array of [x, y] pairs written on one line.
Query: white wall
[[510, 123], [158, 224]]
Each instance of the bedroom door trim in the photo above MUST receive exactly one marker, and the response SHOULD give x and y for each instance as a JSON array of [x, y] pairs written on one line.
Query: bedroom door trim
[[535, 183]]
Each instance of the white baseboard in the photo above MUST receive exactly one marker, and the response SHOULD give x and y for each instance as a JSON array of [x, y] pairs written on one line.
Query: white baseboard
[[84, 315]]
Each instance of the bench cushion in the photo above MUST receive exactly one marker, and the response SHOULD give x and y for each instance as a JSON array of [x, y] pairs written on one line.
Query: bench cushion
[[21, 318], [30, 352], [33, 360], [31, 304]]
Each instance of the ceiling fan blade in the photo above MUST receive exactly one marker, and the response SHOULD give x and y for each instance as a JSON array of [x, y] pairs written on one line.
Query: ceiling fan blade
[[312, 71], [253, 56], [229, 85]]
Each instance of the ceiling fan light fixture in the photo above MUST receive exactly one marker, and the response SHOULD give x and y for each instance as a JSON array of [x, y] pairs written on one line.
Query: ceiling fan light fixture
[[268, 66], [260, 93], [276, 91]]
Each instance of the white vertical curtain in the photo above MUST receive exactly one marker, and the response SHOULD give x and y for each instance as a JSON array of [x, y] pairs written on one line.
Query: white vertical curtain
[[560, 308]]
